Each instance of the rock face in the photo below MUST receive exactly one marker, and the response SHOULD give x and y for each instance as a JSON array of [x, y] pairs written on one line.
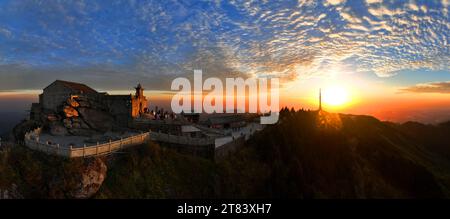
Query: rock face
[[58, 130], [96, 119], [79, 116], [71, 102], [92, 177], [10, 193], [70, 112], [25, 126], [80, 181], [26, 174]]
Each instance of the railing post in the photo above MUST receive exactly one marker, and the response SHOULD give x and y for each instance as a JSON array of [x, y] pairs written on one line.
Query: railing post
[[57, 149], [70, 151], [96, 149], [120, 145], [84, 150], [109, 145]]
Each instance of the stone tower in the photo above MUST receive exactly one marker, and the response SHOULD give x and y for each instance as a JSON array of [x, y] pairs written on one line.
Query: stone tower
[[139, 103], [139, 91]]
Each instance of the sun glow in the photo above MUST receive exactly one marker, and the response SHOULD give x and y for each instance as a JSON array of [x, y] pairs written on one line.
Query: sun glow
[[335, 96]]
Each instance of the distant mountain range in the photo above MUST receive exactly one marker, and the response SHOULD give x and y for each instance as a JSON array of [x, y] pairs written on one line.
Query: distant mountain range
[[8, 120]]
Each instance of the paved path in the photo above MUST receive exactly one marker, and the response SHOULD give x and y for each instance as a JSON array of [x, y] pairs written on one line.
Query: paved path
[[247, 131], [79, 141]]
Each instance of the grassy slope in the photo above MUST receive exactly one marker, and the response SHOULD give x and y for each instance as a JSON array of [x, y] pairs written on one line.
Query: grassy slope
[[305, 156], [151, 172], [326, 155], [38, 175], [146, 171]]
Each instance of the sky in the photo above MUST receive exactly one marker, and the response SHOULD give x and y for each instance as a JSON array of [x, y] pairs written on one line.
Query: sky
[[391, 57]]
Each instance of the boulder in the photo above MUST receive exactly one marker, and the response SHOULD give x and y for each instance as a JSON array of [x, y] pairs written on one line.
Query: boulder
[[83, 103], [11, 192], [76, 125], [58, 130], [83, 125], [23, 127], [70, 112], [67, 123], [90, 180], [73, 103], [51, 117], [96, 119], [81, 179]]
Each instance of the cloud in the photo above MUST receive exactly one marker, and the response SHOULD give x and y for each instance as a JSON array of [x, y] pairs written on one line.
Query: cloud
[[433, 87], [158, 40], [335, 2], [374, 1], [5, 32]]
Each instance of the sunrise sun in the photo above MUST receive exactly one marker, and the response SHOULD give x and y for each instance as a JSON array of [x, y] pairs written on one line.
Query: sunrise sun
[[335, 96]]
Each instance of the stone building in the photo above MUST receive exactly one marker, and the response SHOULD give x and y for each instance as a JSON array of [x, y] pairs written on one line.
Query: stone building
[[55, 94], [124, 108], [139, 102]]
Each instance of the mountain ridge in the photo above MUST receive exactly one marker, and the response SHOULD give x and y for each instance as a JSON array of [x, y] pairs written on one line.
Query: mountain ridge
[[308, 154], [348, 156]]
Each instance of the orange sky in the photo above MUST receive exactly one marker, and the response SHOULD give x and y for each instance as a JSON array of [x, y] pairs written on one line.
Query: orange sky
[[383, 103]]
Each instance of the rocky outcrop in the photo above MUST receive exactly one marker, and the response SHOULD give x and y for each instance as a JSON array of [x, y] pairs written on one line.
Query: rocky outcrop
[[10, 193], [73, 103], [70, 112], [96, 119], [57, 129], [27, 174], [86, 103], [23, 127], [90, 180], [80, 179], [79, 116]]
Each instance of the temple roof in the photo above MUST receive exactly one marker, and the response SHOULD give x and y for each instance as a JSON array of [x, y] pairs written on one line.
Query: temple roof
[[76, 86]]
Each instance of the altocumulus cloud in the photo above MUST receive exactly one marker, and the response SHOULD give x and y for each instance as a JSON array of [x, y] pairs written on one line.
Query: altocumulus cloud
[[159, 40]]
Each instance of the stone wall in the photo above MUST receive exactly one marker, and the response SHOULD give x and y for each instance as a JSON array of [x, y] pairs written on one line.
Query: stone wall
[[54, 96], [120, 107], [203, 147], [32, 141]]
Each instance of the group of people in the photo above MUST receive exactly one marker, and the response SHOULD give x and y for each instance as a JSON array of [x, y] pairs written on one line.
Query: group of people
[[160, 114]]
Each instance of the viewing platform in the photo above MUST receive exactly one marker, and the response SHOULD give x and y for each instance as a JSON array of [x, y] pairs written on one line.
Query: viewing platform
[[39, 141]]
